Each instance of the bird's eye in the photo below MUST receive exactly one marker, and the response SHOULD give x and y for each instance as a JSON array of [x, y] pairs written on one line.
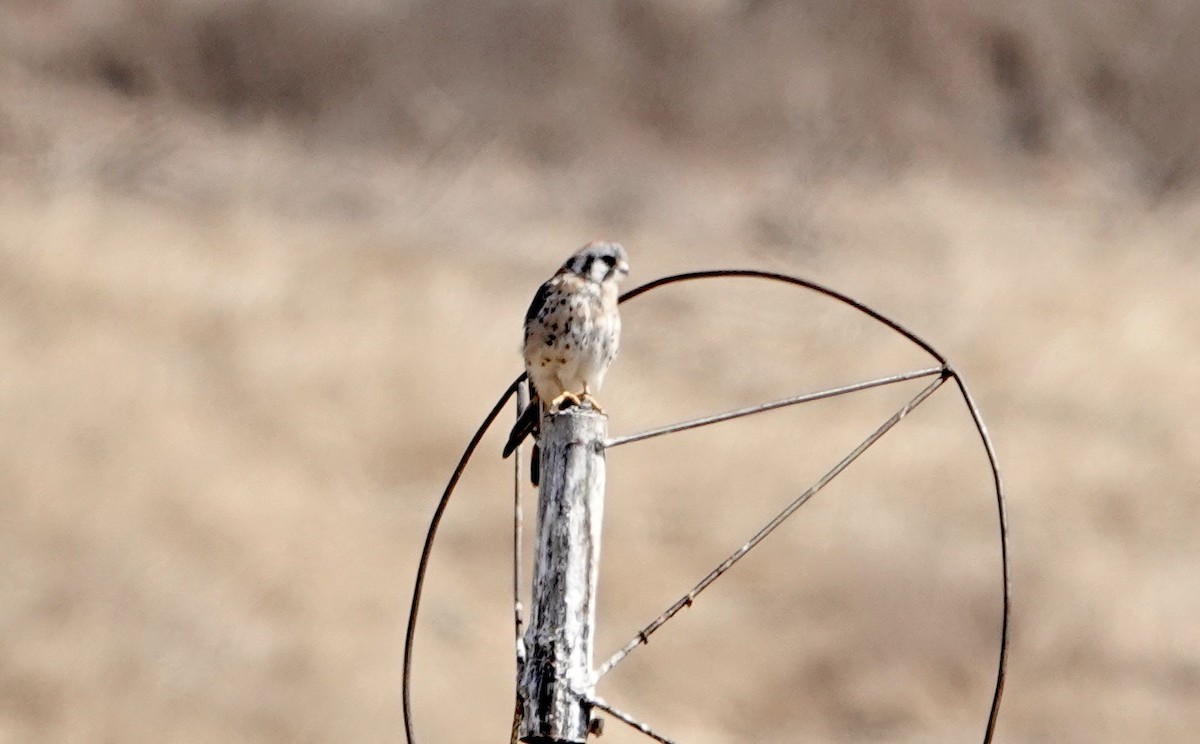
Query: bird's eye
[[609, 261]]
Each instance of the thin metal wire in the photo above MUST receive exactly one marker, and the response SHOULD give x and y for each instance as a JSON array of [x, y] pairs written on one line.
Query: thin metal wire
[[1002, 663], [686, 600], [627, 719], [522, 400], [793, 280], [760, 408], [426, 551], [518, 528], [516, 722]]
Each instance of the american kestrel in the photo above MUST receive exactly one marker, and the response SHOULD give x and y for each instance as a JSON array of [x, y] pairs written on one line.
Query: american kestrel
[[572, 331]]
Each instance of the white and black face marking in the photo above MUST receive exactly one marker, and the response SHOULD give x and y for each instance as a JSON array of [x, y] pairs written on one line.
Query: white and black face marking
[[599, 262]]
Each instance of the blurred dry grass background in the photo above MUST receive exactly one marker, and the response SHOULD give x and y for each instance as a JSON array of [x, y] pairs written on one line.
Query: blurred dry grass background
[[263, 265]]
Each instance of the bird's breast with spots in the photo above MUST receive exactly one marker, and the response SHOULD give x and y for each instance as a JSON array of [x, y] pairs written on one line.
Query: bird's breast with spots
[[570, 342]]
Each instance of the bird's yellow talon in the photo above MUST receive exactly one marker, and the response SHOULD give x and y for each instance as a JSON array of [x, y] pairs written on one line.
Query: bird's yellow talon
[[556, 404], [595, 404]]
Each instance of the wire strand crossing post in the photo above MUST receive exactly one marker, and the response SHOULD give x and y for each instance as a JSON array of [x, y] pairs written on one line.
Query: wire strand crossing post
[[556, 678]]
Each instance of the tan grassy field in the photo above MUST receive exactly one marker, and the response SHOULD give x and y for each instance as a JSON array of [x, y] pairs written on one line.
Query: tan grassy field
[[263, 268]]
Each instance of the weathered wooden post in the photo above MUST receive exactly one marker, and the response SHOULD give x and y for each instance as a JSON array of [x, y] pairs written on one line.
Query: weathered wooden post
[[557, 673]]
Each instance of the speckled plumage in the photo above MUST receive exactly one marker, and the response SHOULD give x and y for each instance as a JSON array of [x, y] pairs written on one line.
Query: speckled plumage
[[572, 332]]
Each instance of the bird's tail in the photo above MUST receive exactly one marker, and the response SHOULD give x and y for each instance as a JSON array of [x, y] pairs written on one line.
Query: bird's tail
[[526, 424]]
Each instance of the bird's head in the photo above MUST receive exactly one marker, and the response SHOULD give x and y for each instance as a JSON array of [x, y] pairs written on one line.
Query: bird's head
[[599, 261]]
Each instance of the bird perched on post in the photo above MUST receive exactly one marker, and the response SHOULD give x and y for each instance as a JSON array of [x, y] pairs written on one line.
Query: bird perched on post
[[572, 331]]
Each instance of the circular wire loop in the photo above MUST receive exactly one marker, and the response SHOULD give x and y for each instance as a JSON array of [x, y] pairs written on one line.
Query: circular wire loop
[[980, 427]]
